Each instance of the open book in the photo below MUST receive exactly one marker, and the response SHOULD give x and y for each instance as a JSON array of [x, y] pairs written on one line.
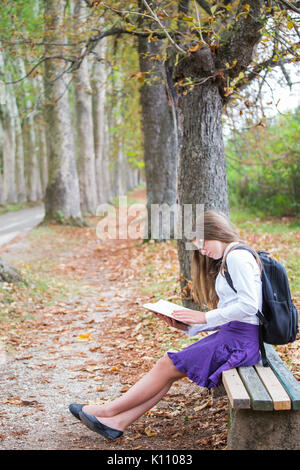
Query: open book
[[165, 308]]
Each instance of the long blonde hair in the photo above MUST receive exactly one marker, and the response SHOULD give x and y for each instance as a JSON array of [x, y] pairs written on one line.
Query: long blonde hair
[[204, 270]]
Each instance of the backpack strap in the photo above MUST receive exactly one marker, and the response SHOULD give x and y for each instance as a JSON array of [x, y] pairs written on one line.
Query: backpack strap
[[259, 314]]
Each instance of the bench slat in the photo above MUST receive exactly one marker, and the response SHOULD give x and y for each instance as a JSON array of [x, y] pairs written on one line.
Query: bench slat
[[291, 385], [235, 389], [260, 399], [280, 398]]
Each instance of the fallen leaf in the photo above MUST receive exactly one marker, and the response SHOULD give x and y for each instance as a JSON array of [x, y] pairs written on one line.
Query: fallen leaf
[[19, 401], [204, 405], [150, 432], [194, 48], [23, 358]]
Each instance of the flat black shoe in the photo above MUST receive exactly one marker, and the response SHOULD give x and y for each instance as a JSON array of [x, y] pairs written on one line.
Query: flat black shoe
[[94, 424], [75, 408]]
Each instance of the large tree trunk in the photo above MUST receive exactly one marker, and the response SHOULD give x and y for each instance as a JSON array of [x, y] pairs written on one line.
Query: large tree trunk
[[34, 189], [42, 146], [8, 139], [202, 172], [20, 170], [160, 134], [41, 140], [34, 177], [9, 156], [98, 84], [84, 126], [160, 141], [62, 199]]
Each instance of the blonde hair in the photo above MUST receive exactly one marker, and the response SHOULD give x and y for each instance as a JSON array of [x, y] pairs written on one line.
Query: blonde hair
[[204, 270]]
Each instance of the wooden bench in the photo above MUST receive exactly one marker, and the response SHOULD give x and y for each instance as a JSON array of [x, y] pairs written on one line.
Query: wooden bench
[[264, 406]]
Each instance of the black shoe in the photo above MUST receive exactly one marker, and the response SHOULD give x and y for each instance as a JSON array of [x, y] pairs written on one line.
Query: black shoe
[[94, 424], [75, 408]]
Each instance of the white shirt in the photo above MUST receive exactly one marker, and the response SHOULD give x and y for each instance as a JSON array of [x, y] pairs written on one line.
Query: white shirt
[[235, 306]]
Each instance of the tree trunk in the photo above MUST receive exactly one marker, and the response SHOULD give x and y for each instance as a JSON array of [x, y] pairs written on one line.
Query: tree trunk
[[42, 145], [9, 156], [34, 190], [8, 139], [160, 141], [34, 181], [62, 199], [202, 172], [84, 127], [2, 199], [98, 84], [20, 170], [41, 140]]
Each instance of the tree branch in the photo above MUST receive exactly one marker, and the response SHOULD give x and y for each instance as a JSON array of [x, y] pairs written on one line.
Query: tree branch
[[203, 4], [290, 6], [286, 75], [43, 59], [255, 73], [155, 17], [238, 43]]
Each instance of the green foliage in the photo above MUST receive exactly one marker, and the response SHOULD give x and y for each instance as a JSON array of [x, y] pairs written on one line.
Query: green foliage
[[263, 167]]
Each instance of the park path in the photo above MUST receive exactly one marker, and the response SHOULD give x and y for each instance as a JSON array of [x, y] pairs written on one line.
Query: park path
[[13, 224], [90, 347]]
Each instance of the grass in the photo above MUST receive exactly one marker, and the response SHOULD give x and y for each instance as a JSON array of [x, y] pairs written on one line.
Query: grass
[[18, 206], [258, 223]]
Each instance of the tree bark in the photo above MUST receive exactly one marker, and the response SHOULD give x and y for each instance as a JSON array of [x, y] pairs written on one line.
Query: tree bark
[[20, 170], [160, 139], [98, 84], [84, 127], [34, 189], [8, 139], [9, 156], [202, 173], [62, 199]]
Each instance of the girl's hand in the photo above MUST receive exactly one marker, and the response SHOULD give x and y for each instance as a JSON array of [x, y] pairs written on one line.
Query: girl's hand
[[192, 317], [172, 322]]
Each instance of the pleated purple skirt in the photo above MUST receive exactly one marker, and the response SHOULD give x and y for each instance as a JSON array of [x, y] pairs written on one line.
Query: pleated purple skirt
[[235, 344]]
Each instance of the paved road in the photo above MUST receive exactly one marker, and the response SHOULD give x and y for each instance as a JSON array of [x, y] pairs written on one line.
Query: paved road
[[15, 223]]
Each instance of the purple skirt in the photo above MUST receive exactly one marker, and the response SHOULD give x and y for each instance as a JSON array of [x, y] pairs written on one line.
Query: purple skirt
[[235, 344]]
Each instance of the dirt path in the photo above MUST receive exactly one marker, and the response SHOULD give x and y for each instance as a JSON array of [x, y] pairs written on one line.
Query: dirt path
[[90, 347]]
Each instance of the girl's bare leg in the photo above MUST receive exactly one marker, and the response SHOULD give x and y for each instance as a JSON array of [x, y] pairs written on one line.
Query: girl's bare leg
[[163, 374], [124, 419]]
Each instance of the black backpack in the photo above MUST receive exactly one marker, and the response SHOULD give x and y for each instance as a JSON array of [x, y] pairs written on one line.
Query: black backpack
[[278, 321]]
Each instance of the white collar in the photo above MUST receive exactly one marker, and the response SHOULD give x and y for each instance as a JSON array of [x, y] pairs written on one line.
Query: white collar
[[229, 246]]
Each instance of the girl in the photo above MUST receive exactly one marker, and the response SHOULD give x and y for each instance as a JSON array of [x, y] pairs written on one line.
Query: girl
[[232, 314]]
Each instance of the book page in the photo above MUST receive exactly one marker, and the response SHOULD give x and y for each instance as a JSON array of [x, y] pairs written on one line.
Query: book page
[[164, 307]]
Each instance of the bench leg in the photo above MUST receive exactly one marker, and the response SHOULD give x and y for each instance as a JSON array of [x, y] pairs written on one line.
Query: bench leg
[[263, 430]]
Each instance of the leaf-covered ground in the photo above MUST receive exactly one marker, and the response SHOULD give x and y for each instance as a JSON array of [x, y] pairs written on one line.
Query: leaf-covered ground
[[77, 332]]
